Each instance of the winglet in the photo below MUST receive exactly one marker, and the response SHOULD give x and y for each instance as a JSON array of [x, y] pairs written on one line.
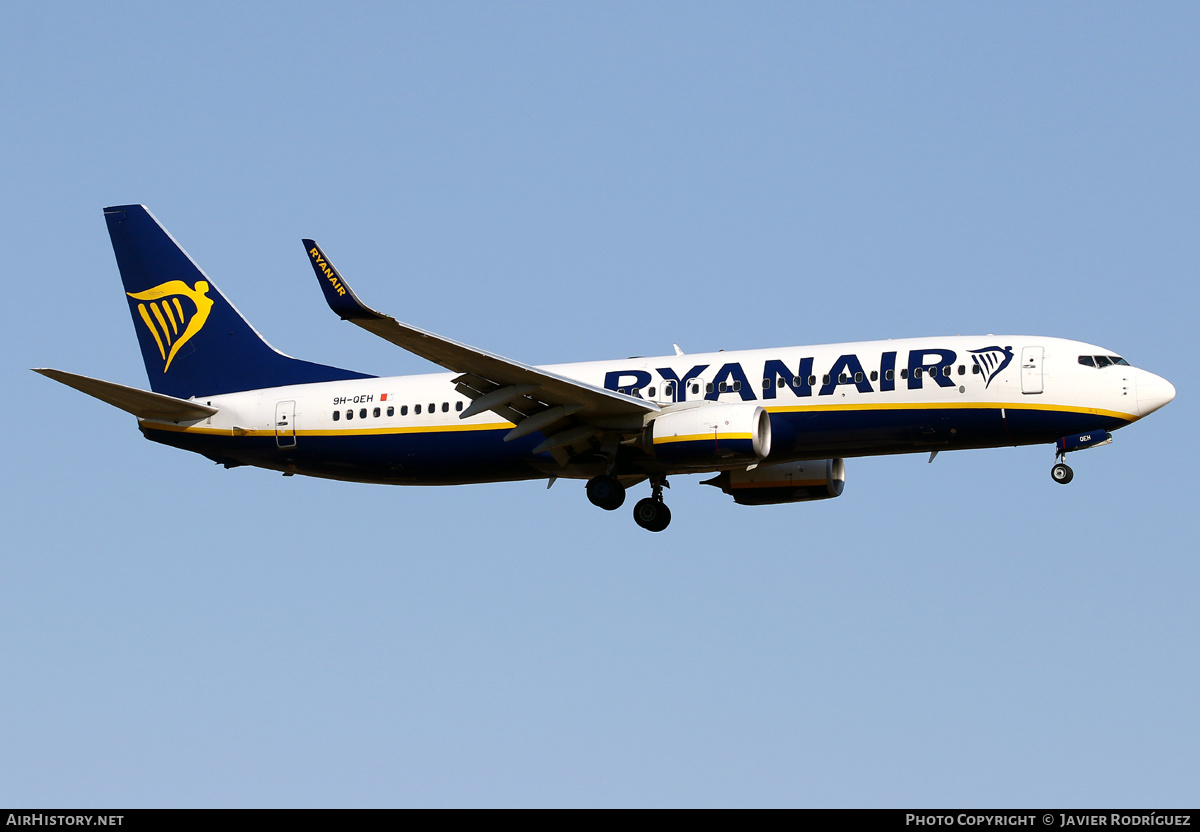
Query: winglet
[[338, 294]]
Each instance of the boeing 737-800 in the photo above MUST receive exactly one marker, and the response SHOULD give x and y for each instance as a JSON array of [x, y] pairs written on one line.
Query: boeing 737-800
[[770, 425]]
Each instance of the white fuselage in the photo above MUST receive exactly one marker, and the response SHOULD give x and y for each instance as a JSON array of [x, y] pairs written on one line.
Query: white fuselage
[[849, 399]]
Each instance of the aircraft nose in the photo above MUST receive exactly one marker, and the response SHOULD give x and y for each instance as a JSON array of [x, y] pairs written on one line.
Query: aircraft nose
[[1152, 392]]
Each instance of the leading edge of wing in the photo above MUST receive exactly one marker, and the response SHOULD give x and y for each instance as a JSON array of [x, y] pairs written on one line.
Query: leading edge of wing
[[462, 358]]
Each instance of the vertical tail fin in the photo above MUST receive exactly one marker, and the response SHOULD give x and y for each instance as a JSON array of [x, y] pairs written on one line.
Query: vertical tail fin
[[194, 342]]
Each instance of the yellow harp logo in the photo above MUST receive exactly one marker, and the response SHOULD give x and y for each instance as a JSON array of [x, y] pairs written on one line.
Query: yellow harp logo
[[168, 321]]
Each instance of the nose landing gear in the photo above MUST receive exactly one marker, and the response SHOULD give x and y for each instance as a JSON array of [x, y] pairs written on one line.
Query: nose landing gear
[[1061, 472]]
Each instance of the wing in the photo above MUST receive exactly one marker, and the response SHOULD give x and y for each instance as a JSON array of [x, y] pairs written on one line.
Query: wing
[[570, 413], [140, 403]]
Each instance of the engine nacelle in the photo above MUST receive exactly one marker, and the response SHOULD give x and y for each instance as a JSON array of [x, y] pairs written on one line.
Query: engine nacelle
[[784, 482], [711, 436]]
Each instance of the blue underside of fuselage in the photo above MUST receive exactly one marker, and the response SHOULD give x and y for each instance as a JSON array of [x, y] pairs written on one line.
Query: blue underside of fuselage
[[448, 457]]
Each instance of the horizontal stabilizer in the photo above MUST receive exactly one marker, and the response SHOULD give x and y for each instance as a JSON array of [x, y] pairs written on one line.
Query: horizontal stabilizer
[[141, 403]]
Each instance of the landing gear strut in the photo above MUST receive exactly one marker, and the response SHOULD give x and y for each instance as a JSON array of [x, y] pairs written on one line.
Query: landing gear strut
[[1061, 473], [606, 492], [651, 513]]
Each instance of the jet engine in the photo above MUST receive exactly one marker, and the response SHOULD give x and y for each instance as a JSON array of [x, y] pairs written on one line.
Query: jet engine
[[711, 436], [784, 482]]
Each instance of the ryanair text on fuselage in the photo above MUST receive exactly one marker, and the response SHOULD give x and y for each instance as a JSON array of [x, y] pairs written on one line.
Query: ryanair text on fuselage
[[730, 378]]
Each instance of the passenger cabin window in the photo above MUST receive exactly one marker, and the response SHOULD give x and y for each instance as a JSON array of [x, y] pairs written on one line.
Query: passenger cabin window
[[458, 405], [975, 369], [904, 374], [825, 378], [362, 414], [890, 375], [916, 372], [650, 392], [337, 414], [723, 387], [391, 411], [445, 407], [375, 413], [349, 414], [812, 380], [403, 410], [708, 387], [962, 369], [417, 409], [874, 375]]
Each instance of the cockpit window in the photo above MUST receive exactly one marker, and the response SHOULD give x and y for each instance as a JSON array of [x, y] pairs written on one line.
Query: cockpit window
[[1102, 361]]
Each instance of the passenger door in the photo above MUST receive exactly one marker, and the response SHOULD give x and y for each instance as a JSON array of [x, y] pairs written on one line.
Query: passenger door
[[1031, 369]]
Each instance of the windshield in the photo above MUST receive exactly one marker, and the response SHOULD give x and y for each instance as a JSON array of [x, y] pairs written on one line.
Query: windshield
[[1102, 360]]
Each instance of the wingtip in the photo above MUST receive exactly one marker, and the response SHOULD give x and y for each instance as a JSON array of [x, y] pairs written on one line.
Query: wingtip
[[338, 294]]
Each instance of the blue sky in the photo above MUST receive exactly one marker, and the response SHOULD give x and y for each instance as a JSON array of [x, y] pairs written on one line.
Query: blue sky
[[560, 182]]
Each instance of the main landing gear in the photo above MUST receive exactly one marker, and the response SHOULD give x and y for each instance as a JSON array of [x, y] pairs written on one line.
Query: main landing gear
[[651, 513], [606, 492]]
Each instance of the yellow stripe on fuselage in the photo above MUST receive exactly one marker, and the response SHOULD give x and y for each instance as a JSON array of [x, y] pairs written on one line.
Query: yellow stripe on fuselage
[[210, 431], [696, 437], [1060, 408]]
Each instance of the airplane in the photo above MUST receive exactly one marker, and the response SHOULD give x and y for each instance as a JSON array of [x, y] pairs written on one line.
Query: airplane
[[770, 425]]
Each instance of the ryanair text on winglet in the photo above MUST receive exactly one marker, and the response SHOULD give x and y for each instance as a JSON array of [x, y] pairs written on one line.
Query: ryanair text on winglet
[[326, 270]]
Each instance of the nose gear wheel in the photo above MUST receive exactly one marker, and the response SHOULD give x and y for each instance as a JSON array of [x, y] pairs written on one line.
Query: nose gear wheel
[[1061, 473]]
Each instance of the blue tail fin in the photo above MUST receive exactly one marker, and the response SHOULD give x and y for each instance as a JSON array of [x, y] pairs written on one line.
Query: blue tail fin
[[193, 341]]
